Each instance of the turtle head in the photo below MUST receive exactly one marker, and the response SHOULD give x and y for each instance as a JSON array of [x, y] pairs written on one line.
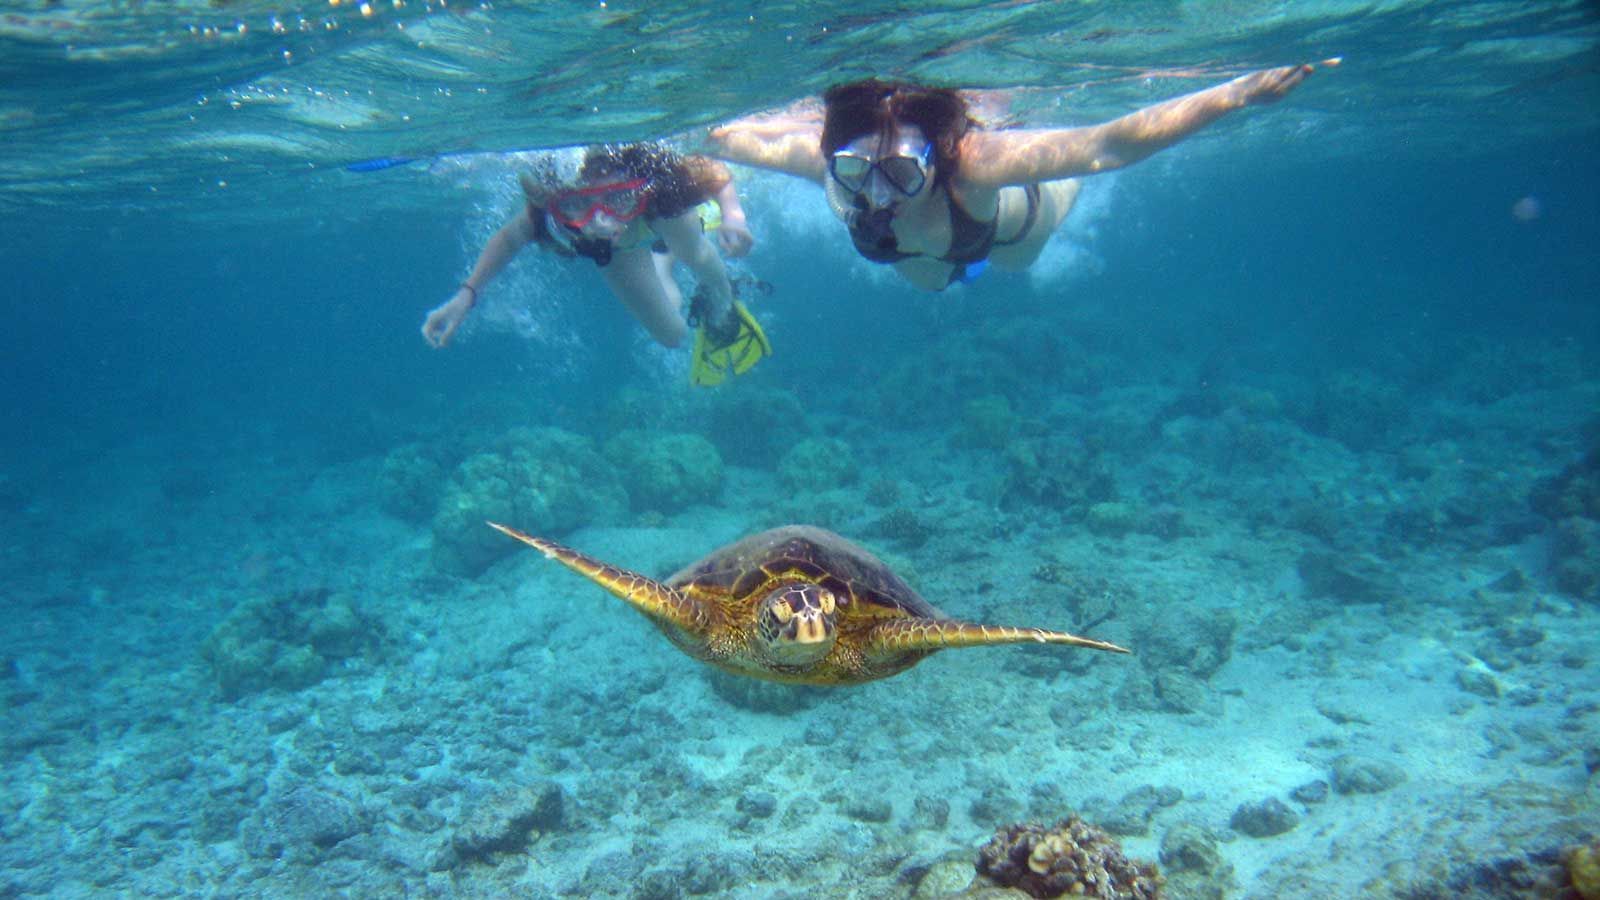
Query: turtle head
[[796, 624]]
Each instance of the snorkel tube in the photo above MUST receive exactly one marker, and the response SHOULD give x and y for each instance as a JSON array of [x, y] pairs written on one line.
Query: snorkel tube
[[844, 205], [869, 226]]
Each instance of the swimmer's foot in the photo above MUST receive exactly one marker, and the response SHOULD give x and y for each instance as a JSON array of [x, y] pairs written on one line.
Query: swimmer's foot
[[720, 331], [718, 354]]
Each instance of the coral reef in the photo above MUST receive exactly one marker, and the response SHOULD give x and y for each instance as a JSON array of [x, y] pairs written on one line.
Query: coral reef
[[1476, 680], [304, 818], [817, 463], [1176, 662], [950, 875], [910, 388], [1359, 775], [1131, 815], [872, 808], [930, 813], [1358, 409], [411, 482], [1455, 498], [1055, 472], [757, 804], [903, 525], [1234, 440], [1187, 847], [1536, 874], [1267, 818], [542, 480], [995, 801], [1314, 791], [1488, 368], [883, 492], [287, 642], [507, 820], [1345, 578], [1111, 518], [1575, 557], [755, 425], [768, 697], [986, 422], [1583, 867], [1010, 357], [1574, 492], [666, 471], [1072, 857], [633, 407], [1192, 866]]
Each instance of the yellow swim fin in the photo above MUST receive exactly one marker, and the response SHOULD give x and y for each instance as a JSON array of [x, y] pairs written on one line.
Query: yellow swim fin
[[711, 363]]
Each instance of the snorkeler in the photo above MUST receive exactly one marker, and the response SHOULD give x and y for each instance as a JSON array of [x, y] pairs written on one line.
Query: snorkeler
[[923, 186], [633, 209]]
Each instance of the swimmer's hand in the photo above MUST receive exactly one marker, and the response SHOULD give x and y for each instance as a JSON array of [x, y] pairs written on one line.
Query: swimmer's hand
[[734, 235], [1272, 85], [445, 318]]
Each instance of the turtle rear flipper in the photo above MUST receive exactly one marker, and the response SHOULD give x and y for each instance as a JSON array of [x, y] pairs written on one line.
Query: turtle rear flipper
[[651, 597], [896, 636]]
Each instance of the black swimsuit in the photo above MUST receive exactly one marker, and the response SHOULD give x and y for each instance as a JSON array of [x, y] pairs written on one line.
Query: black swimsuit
[[970, 240]]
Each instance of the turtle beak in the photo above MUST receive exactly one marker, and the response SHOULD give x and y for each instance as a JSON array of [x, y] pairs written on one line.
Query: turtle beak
[[803, 620], [809, 630], [798, 624]]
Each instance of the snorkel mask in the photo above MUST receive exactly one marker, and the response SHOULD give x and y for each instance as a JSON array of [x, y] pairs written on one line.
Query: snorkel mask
[[907, 175], [623, 201], [868, 205]]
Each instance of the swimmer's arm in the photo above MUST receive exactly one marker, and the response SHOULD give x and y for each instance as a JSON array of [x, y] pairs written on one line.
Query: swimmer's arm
[[783, 146], [995, 158], [713, 179], [734, 232], [442, 321], [500, 250]]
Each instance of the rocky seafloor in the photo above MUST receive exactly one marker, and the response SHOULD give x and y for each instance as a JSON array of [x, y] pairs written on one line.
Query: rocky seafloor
[[1364, 630]]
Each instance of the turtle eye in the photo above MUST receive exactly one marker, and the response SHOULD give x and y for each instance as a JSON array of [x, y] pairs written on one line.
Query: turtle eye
[[782, 611], [826, 598]]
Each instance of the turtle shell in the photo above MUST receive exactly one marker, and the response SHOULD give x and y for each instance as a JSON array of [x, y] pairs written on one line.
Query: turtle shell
[[862, 584]]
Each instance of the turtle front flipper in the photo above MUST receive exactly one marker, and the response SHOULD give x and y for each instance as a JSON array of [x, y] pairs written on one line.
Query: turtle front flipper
[[651, 597], [897, 636]]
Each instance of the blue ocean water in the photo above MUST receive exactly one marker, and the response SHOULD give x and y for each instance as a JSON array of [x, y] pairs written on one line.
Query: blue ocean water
[[1302, 410]]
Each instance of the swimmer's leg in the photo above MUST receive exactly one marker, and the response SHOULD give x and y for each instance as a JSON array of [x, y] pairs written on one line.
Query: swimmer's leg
[[664, 263], [643, 281]]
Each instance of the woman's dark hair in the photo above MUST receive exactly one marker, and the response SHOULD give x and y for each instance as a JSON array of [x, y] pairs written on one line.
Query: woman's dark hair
[[642, 160], [672, 191], [881, 107]]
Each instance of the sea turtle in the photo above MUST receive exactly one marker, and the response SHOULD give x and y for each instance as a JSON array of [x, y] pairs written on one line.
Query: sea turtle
[[797, 604]]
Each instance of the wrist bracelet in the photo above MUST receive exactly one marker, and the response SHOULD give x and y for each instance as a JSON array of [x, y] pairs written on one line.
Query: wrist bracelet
[[471, 290]]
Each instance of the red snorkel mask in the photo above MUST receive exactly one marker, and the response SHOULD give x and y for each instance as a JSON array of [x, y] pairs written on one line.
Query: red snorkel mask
[[621, 200]]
